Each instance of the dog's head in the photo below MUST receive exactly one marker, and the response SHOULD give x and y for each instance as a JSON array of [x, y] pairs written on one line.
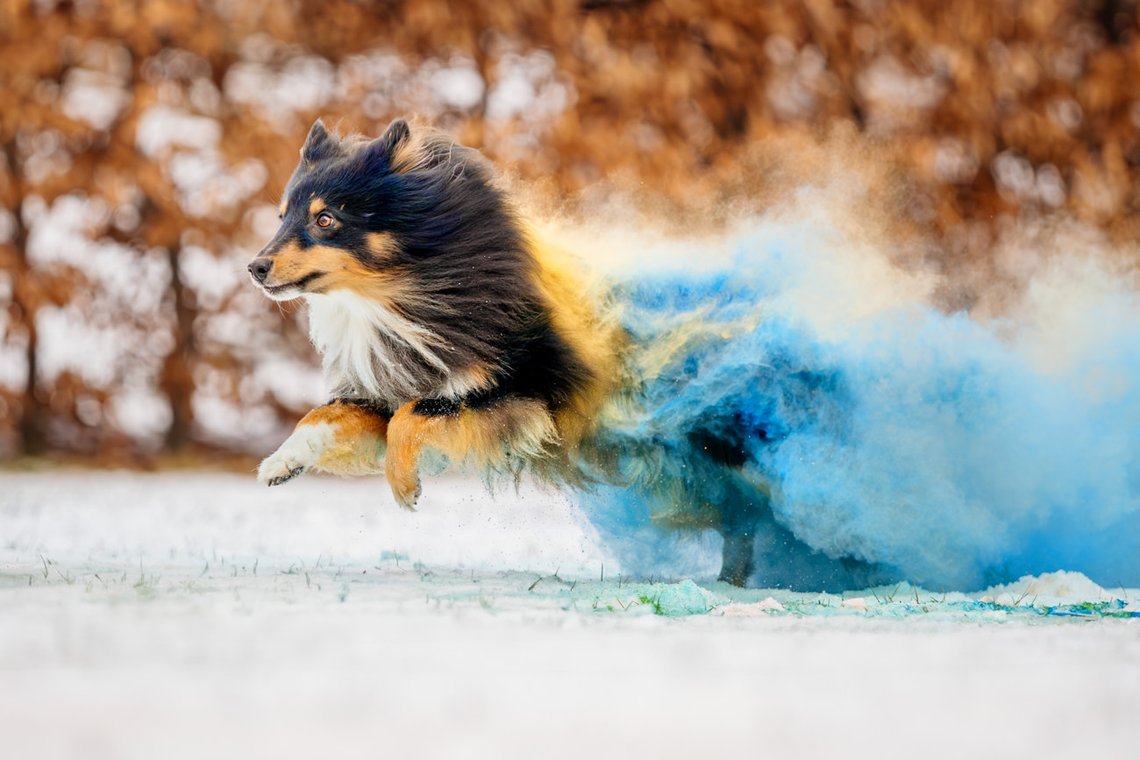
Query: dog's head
[[409, 229], [361, 215]]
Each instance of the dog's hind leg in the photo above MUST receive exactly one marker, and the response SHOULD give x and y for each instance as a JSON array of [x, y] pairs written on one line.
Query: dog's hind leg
[[739, 523], [343, 437], [737, 562]]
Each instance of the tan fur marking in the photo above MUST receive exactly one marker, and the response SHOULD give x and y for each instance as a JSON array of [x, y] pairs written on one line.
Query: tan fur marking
[[483, 438], [597, 341], [291, 263], [477, 377], [341, 271], [359, 440], [283, 207], [316, 206], [382, 245], [382, 286], [375, 286], [339, 268], [410, 153]]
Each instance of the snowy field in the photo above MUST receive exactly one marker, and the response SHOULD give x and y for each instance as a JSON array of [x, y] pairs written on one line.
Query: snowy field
[[203, 616]]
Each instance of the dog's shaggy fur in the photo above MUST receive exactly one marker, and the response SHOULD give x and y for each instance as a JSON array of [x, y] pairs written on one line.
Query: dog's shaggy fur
[[439, 325]]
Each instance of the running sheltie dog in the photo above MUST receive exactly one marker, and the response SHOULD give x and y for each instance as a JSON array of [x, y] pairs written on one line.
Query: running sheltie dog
[[845, 440], [445, 330]]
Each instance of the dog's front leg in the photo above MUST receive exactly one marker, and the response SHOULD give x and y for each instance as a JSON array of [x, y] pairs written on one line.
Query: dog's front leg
[[495, 436], [413, 427], [343, 437]]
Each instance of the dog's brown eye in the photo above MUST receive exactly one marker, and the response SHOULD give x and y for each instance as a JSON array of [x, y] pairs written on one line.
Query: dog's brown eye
[[324, 220]]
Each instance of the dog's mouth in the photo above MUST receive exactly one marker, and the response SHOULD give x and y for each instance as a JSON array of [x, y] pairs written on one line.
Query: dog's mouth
[[289, 290]]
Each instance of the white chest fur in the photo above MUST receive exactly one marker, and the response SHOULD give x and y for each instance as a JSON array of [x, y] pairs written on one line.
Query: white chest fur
[[356, 339]]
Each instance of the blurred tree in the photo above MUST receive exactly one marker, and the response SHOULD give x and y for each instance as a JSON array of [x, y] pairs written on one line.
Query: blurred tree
[[23, 301], [143, 141]]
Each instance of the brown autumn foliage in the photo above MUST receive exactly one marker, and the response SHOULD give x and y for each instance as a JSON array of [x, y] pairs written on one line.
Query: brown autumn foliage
[[143, 141]]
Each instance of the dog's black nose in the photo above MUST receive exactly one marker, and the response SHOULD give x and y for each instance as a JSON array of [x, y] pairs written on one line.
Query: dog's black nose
[[260, 268]]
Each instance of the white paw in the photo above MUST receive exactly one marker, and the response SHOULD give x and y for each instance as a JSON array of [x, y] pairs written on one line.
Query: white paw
[[301, 451]]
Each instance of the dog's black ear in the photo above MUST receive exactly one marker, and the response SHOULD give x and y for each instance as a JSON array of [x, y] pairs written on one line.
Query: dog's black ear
[[319, 144], [396, 133], [384, 146]]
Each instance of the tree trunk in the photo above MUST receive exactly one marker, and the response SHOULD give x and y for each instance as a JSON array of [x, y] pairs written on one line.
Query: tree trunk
[[31, 428], [177, 370], [25, 296]]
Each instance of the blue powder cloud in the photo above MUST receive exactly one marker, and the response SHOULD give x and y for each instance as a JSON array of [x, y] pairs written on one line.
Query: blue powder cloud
[[888, 442]]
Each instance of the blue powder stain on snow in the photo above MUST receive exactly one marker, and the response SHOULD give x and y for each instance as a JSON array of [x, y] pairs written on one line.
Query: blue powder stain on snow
[[911, 445]]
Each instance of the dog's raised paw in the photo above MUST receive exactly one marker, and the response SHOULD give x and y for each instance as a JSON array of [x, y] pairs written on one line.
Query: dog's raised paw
[[407, 492], [277, 469], [299, 452], [279, 479]]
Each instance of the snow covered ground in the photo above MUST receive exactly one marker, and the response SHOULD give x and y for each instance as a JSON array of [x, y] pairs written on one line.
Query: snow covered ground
[[202, 616]]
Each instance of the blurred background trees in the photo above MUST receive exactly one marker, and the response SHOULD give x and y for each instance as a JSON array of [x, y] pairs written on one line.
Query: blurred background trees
[[144, 141]]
